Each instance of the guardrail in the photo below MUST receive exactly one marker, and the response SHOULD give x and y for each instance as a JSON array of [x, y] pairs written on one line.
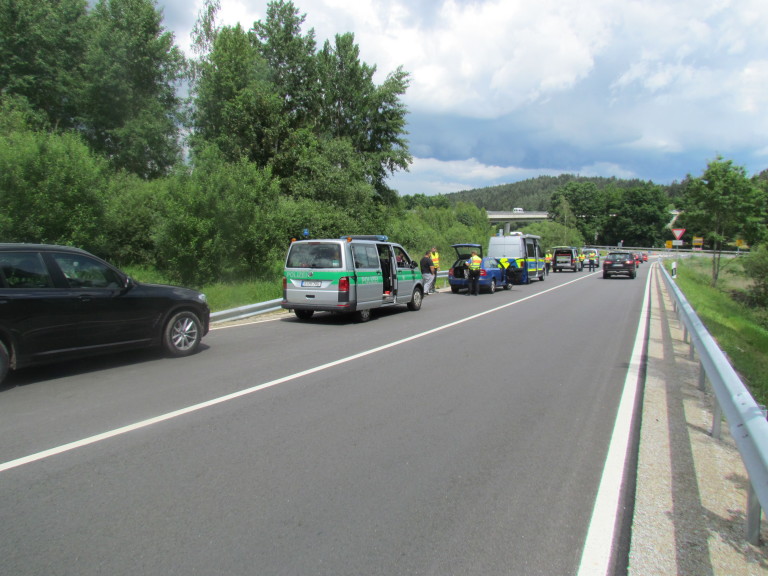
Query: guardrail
[[746, 419], [246, 311]]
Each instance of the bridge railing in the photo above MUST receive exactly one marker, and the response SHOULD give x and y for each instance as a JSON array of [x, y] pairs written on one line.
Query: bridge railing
[[746, 419]]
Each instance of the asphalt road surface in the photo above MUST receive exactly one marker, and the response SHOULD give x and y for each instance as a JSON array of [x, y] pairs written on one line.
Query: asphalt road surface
[[467, 438]]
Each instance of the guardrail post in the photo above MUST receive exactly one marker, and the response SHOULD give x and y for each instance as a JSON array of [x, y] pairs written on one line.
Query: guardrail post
[[702, 377], [717, 419], [754, 513]]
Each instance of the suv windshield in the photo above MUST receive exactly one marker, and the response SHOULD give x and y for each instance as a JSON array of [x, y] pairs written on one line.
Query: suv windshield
[[314, 255]]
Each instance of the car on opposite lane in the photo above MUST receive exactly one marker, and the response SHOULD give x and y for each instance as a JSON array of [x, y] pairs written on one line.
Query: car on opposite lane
[[61, 303]]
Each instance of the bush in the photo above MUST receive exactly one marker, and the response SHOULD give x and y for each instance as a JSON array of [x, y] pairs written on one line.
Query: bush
[[756, 267]]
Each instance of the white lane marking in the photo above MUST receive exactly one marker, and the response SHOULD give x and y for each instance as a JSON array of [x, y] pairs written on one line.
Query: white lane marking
[[598, 547], [181, 412]]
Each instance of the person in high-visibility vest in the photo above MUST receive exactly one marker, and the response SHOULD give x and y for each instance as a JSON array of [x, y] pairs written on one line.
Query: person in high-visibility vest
[[581, 261], [508, 266], [547, 262], [435, 255], [473, 267], [591, 261]]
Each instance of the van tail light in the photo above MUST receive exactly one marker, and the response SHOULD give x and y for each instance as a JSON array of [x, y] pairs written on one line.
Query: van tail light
[[344, 291]]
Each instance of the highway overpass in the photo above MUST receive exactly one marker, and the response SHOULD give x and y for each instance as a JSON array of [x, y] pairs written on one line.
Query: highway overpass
[[513, 220]]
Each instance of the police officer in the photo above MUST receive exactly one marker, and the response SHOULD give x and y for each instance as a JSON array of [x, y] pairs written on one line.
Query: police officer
[[473, 268], [435, 255]]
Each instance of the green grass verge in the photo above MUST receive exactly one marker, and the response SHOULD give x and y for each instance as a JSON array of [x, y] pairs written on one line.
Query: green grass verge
[[732, 324], [222, 295]]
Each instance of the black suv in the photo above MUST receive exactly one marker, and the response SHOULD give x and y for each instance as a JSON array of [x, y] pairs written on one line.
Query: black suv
[[619, 263], [58, 302]]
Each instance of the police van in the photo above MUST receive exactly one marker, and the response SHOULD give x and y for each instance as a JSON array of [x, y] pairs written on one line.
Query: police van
[[525, 249], [350, 274]]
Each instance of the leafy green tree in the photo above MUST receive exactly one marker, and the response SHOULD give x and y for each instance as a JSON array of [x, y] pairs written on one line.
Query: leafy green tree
[[637, 216], [42, 46], [214, 218], [236, 107], [129, 110], [371, 117], [51, 190], [723, 205], [291, 59]]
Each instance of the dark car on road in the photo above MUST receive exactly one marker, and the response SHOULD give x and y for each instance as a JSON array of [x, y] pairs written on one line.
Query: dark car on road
[[491, 275], [60, 303], [619, 263]]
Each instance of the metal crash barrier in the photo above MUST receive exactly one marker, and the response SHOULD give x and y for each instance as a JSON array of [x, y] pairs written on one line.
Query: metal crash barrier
[[746, 418]]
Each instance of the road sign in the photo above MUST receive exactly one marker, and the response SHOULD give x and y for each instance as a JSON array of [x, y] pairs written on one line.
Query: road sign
[[678, 232], [677, 242]]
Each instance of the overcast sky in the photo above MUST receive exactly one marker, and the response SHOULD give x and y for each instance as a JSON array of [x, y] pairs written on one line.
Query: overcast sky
[[506, 90]]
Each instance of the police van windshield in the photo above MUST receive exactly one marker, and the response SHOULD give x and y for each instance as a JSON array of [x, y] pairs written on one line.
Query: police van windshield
[[314, 255]]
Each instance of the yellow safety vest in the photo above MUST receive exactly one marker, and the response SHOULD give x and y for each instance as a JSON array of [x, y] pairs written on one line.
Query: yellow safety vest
[[435, 259], [475, 262]]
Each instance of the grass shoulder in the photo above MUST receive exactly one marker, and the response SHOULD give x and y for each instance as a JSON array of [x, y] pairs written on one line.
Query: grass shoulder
[[220, 295], [738, 328]]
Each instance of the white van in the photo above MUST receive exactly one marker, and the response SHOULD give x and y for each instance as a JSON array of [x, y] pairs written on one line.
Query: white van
[[349, 274], [525, 249]]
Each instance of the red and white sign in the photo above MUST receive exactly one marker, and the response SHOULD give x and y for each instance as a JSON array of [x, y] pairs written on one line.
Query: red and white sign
[[678, 232]]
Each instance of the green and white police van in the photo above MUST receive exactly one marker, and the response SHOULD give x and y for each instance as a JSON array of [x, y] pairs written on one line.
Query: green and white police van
[[350, 274]]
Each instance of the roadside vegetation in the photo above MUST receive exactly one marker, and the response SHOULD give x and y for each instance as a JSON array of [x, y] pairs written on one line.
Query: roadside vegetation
[[732, 313]]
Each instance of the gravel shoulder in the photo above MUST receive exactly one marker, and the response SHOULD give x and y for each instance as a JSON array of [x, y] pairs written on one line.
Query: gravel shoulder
[[691, 492]]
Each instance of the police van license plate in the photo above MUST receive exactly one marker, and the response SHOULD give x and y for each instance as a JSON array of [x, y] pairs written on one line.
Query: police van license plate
[[311, 283]]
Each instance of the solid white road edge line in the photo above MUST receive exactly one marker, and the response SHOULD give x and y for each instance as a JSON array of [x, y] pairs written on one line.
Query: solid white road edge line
[[598, 546], [194, 408]]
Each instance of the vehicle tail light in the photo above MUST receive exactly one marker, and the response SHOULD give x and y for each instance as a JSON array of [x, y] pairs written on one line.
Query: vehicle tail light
[[483, 273], [344, 284], [285, 288], [450, 272]]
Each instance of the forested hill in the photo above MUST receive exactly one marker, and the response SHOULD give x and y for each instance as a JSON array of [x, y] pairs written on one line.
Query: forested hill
[[535, 193]]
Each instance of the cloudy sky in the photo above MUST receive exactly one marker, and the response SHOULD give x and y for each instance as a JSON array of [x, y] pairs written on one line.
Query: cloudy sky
[[505, 90]]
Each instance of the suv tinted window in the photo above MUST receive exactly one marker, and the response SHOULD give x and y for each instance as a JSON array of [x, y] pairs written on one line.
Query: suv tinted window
[[83, 272], [24, 270]]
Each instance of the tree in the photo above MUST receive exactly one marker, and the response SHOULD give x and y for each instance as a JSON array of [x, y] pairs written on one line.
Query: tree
[[291, 60], [236, 107], [372, 117], [51, 189], [723, 205], [636, 215], [42, 46], [129, 110]]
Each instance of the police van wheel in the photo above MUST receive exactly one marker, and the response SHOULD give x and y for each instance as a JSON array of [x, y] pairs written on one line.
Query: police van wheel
[[416, 298], [507, 286], [304, 314], [363, 315]]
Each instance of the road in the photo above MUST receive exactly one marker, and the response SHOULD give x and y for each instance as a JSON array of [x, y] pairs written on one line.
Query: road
[[466, 438]]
